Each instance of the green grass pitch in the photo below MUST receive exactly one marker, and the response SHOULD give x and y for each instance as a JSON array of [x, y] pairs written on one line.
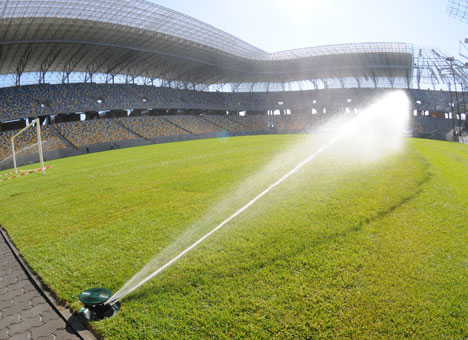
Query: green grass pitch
[[337, 251]]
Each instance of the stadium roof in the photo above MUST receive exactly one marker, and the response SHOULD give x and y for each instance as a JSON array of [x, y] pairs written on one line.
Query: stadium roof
[[139, 39], [458, 9]]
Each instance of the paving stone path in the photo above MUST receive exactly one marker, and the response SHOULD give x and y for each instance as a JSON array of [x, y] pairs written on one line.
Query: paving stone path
[[24, 312]]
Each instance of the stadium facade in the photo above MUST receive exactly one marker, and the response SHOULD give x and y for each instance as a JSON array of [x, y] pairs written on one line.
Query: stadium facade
[[116, 59]]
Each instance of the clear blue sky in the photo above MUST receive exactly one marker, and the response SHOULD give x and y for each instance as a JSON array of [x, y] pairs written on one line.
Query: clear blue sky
[[276, 25]]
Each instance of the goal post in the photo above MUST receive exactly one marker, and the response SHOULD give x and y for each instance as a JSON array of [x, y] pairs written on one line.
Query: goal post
[[37, 123]]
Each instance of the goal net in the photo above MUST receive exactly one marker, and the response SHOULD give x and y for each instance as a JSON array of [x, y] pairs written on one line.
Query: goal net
[[27, 142]]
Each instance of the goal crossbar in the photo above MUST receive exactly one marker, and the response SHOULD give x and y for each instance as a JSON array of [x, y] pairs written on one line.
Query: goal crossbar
[[39, 144]]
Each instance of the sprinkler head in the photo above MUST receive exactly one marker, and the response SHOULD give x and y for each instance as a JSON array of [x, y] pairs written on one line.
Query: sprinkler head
[[95, 306]]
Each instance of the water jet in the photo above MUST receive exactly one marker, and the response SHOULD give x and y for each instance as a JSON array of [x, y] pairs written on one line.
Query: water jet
[[367, 136], [96, 305]]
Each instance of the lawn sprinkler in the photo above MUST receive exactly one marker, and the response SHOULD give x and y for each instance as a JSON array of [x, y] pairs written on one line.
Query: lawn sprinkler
[[95, 306]]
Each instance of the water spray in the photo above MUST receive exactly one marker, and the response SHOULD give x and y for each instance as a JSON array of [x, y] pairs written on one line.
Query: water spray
[[100, 303], [119, 294]]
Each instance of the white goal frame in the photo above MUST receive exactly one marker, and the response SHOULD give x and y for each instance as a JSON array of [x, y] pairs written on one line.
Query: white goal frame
[[39, 144]]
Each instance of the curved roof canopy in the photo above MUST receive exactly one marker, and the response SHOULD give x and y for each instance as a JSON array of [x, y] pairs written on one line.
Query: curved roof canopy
[[137, 38]]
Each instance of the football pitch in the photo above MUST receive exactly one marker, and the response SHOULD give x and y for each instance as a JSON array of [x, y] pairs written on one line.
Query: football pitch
[[339, 250]]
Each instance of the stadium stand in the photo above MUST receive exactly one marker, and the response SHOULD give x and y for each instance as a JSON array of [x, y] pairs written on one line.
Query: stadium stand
[[277, 123], [40, 100], [252, 123], [195, 124], [225, 123], [94, 131], [299, 122], [148, 127]]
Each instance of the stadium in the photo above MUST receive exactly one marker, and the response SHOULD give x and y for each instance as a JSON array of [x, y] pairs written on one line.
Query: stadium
[[194, 116]]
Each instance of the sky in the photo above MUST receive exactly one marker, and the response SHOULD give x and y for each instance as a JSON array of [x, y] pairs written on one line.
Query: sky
[[277, 25]]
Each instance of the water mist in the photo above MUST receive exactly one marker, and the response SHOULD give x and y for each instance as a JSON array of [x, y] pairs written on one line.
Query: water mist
[[367, 136]]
